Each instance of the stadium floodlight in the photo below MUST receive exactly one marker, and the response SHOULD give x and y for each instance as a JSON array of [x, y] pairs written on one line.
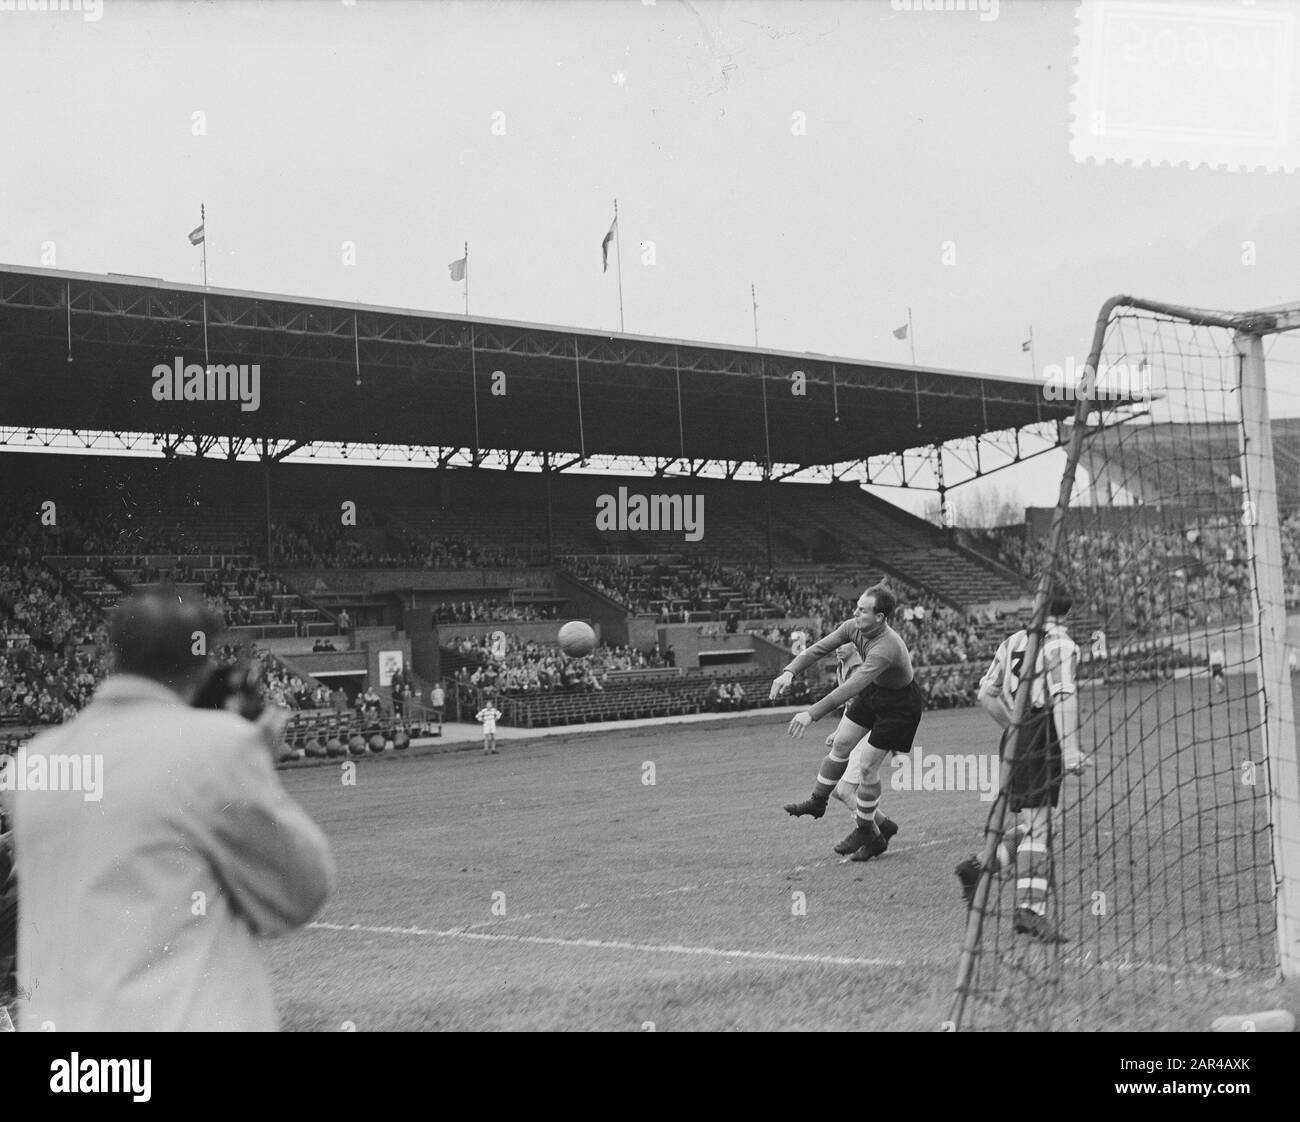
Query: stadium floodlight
[[1174, 859]]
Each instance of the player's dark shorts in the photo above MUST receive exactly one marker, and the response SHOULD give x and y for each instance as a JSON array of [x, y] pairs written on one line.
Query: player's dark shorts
[[1216, 670], [1037, 770], [892, 715]]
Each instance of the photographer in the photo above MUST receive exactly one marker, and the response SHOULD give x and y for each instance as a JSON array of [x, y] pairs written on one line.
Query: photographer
[[139, 909]]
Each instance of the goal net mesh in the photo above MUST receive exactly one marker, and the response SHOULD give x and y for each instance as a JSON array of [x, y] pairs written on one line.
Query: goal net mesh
[[1160, 877]]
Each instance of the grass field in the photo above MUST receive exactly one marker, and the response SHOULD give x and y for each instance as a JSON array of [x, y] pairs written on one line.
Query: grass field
[[550, 887]]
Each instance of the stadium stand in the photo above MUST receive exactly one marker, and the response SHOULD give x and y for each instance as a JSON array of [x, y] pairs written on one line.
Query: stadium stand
[[202, 529]]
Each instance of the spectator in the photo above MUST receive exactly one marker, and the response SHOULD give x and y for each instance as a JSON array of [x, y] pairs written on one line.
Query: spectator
[[713, 697], [103, 946]]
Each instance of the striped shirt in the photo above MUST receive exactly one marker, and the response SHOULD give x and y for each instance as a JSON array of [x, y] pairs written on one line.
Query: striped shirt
[[845, 666], [1056, 675]]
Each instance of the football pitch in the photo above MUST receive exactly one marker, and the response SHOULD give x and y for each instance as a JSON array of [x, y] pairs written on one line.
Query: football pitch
[[554, 887]]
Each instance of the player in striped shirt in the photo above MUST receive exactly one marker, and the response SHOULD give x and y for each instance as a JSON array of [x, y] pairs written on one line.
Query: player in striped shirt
[[883, 704], [488, 717], [1047, 747]]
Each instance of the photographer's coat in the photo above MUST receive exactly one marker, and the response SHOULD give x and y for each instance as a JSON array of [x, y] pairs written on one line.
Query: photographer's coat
[[140, 911]]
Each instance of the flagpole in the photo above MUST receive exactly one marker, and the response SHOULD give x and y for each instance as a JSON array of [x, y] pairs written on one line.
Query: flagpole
[[618, 246], [767, 438], [203, 225], [911, 336], [1033, 362], [467, 278]]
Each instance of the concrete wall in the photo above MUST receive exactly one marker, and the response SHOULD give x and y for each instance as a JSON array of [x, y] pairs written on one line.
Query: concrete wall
[[688, 640], [609, 618], [373, 649], [417, 625], [367, 582], [541, 631]]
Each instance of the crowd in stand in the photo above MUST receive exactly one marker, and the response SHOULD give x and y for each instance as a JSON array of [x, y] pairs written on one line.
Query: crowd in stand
[[235, 593], [522, 666], [935, 633], [1148, 579], [46, 688], [1144, 580], [639, 588], [492, 611], [35, 608], [793, 596], [704, 586], [318, 542], [724, 697], [952, 687], [289, 691]]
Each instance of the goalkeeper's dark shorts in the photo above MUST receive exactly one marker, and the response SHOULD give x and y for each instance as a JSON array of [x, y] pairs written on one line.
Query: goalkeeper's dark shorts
[[893, 716], [1037, 769]]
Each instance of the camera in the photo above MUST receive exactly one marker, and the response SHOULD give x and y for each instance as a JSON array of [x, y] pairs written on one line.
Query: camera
[[241, 681]]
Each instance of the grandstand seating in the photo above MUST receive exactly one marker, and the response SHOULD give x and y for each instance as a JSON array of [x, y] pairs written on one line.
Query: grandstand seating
[[671, 696], [203, 528], [408, 515]]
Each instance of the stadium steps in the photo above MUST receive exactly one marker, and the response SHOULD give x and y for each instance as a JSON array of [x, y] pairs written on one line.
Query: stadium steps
[[878, 532]]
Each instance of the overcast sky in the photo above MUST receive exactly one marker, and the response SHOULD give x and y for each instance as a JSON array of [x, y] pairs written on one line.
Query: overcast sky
[[305, 125]]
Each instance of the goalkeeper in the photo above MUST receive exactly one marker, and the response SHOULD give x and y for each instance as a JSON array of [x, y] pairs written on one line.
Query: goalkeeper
[[884, 705]]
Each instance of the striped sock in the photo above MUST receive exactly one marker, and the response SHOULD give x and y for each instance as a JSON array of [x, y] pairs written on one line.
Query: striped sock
[[832, 771], [1033, 869], [868, 799]]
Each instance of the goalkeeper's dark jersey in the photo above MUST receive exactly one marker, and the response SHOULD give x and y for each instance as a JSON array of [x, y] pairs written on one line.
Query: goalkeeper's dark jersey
[[885, 662]]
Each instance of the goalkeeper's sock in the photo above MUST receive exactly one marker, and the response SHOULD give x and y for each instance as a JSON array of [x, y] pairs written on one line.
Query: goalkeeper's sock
[[868, 826], [868, 800], [831, 772]]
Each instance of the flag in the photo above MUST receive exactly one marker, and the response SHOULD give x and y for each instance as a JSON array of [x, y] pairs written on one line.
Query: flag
[[900, 332], [458, 269], [1026, 344], [196, 235], [604, 246]]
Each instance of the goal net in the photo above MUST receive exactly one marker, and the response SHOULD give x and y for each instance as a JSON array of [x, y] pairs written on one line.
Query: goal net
[[1167, 874]]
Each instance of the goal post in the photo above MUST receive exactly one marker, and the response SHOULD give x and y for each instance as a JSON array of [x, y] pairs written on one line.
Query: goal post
[[1171, 860], [1262, 519]]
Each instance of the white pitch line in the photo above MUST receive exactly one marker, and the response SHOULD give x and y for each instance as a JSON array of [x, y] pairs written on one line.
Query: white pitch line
[[819, 863], [614, 945]]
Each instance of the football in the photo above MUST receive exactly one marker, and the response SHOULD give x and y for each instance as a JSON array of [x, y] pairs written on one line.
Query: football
[[577, 639]]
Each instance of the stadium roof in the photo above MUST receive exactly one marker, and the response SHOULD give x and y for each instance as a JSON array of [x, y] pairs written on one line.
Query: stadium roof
[[78, 351]]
